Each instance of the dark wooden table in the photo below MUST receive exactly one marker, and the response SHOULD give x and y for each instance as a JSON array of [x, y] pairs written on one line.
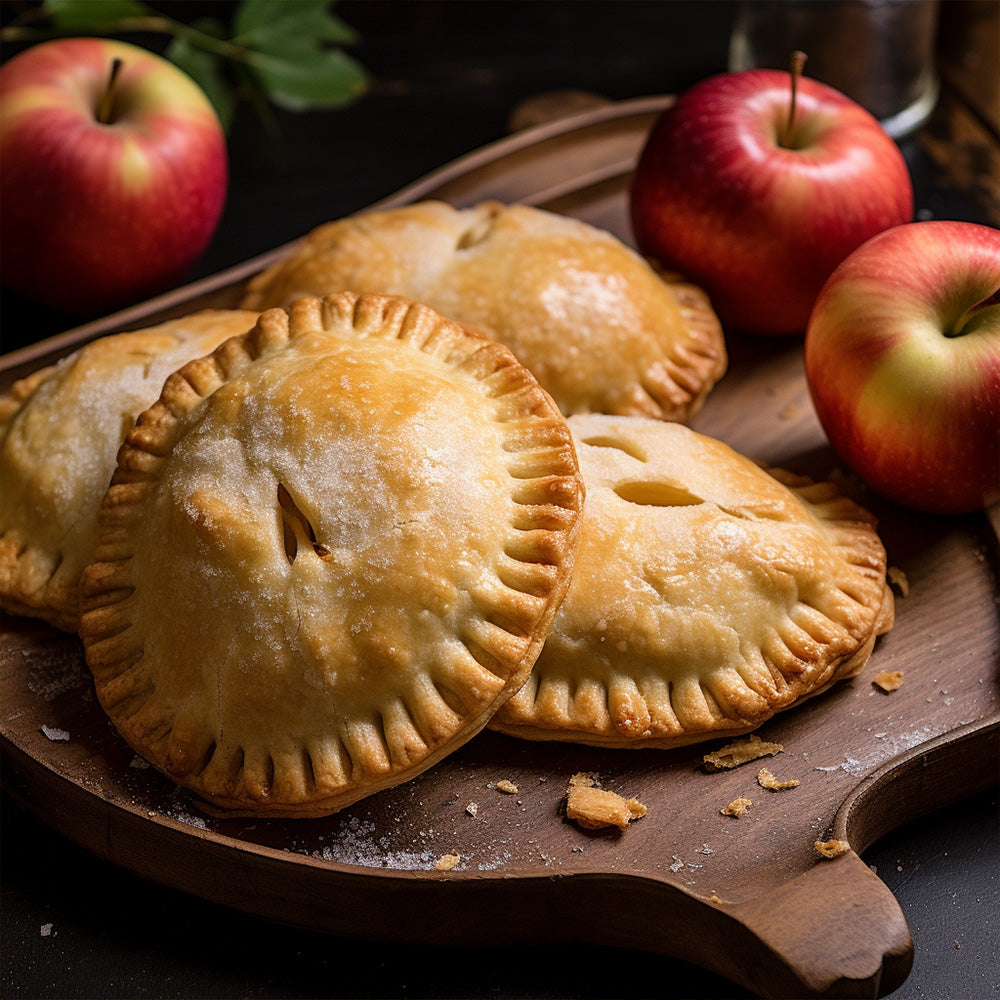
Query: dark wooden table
[[447, 78]]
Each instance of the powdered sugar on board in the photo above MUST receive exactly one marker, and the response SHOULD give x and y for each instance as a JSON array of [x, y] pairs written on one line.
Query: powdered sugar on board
[[50, 671]]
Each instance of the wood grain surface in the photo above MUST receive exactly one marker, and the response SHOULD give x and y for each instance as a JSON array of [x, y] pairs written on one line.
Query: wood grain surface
[[747, 897]]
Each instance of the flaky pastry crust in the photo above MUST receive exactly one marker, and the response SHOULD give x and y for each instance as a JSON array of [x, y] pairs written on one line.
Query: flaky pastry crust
[[329, 552], [598, 327], [708, 594], [60, 430]]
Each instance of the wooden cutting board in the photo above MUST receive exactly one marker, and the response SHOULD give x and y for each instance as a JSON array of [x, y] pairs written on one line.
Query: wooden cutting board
[[746, 897]]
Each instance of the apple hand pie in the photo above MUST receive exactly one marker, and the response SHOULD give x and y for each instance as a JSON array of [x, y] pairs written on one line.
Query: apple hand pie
[[60, 430], [708, 594], [597, 326], [329, 552]]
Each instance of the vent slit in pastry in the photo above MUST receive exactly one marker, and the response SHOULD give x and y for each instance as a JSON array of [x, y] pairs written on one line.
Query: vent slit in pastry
[[588, 316], [656, 494], [687, 620], [371, 432], [295, 525], [627, 447], [479, 231]]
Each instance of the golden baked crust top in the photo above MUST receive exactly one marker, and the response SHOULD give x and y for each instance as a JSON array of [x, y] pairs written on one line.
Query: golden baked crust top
[[708, 594], [598, 327], [329, 552], [60, 430]]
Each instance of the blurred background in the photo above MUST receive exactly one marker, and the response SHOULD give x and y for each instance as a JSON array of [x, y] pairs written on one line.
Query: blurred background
[[448, 77]]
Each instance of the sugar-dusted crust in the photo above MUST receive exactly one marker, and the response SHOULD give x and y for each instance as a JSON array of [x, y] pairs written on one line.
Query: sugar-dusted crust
[[592, 320], [60, 430], [329, 552], [708, 594]]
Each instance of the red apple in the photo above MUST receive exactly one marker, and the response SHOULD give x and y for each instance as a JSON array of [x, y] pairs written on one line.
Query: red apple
[[108, 194], [902, 356], [758, 217]]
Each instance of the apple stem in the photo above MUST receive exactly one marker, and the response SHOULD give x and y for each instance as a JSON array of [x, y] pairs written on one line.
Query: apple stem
[[962, 326], [798, 63], [108, 96]]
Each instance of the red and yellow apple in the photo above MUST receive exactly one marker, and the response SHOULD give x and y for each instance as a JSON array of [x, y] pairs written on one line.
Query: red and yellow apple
[[760, 210], [113, 174], [902, 357]]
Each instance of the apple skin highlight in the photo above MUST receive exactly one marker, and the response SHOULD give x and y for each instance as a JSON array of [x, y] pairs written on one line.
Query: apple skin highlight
[[98, 215], [902, 358], [761, 226]]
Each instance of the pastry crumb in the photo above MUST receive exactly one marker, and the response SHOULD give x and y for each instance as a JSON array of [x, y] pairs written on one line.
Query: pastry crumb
[[737, 807], [594, 808], [715, 899], [899, 580], [472, 808], [789, 412], [888, 680], [767, 780], [832, 848], [740, 752], [446, 862], [507, 787], [584, 778]]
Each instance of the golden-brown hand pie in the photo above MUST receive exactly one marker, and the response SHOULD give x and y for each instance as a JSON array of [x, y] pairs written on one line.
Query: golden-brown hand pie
[[60, 430], [329, 552], [708, 594], [601, 331]]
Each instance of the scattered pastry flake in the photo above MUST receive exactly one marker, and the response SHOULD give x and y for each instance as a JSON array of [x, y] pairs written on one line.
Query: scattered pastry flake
[[54, 734], [472, 808], [507, 787], [899, 580], [594, 808], [767, 780], [446, 862], [888, 680], [715, 899], [740, 752], [737, 807], [832, 848]]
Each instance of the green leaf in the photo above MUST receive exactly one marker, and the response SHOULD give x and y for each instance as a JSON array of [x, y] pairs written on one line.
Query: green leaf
[[283, 51], [263, 24], [207, 71], [309, 78], [92, 15]]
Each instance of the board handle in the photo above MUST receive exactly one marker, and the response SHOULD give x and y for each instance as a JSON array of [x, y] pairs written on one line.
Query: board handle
[[834, 931]]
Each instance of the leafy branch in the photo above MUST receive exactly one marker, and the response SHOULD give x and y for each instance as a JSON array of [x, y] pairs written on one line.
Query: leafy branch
[[282, 52]]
